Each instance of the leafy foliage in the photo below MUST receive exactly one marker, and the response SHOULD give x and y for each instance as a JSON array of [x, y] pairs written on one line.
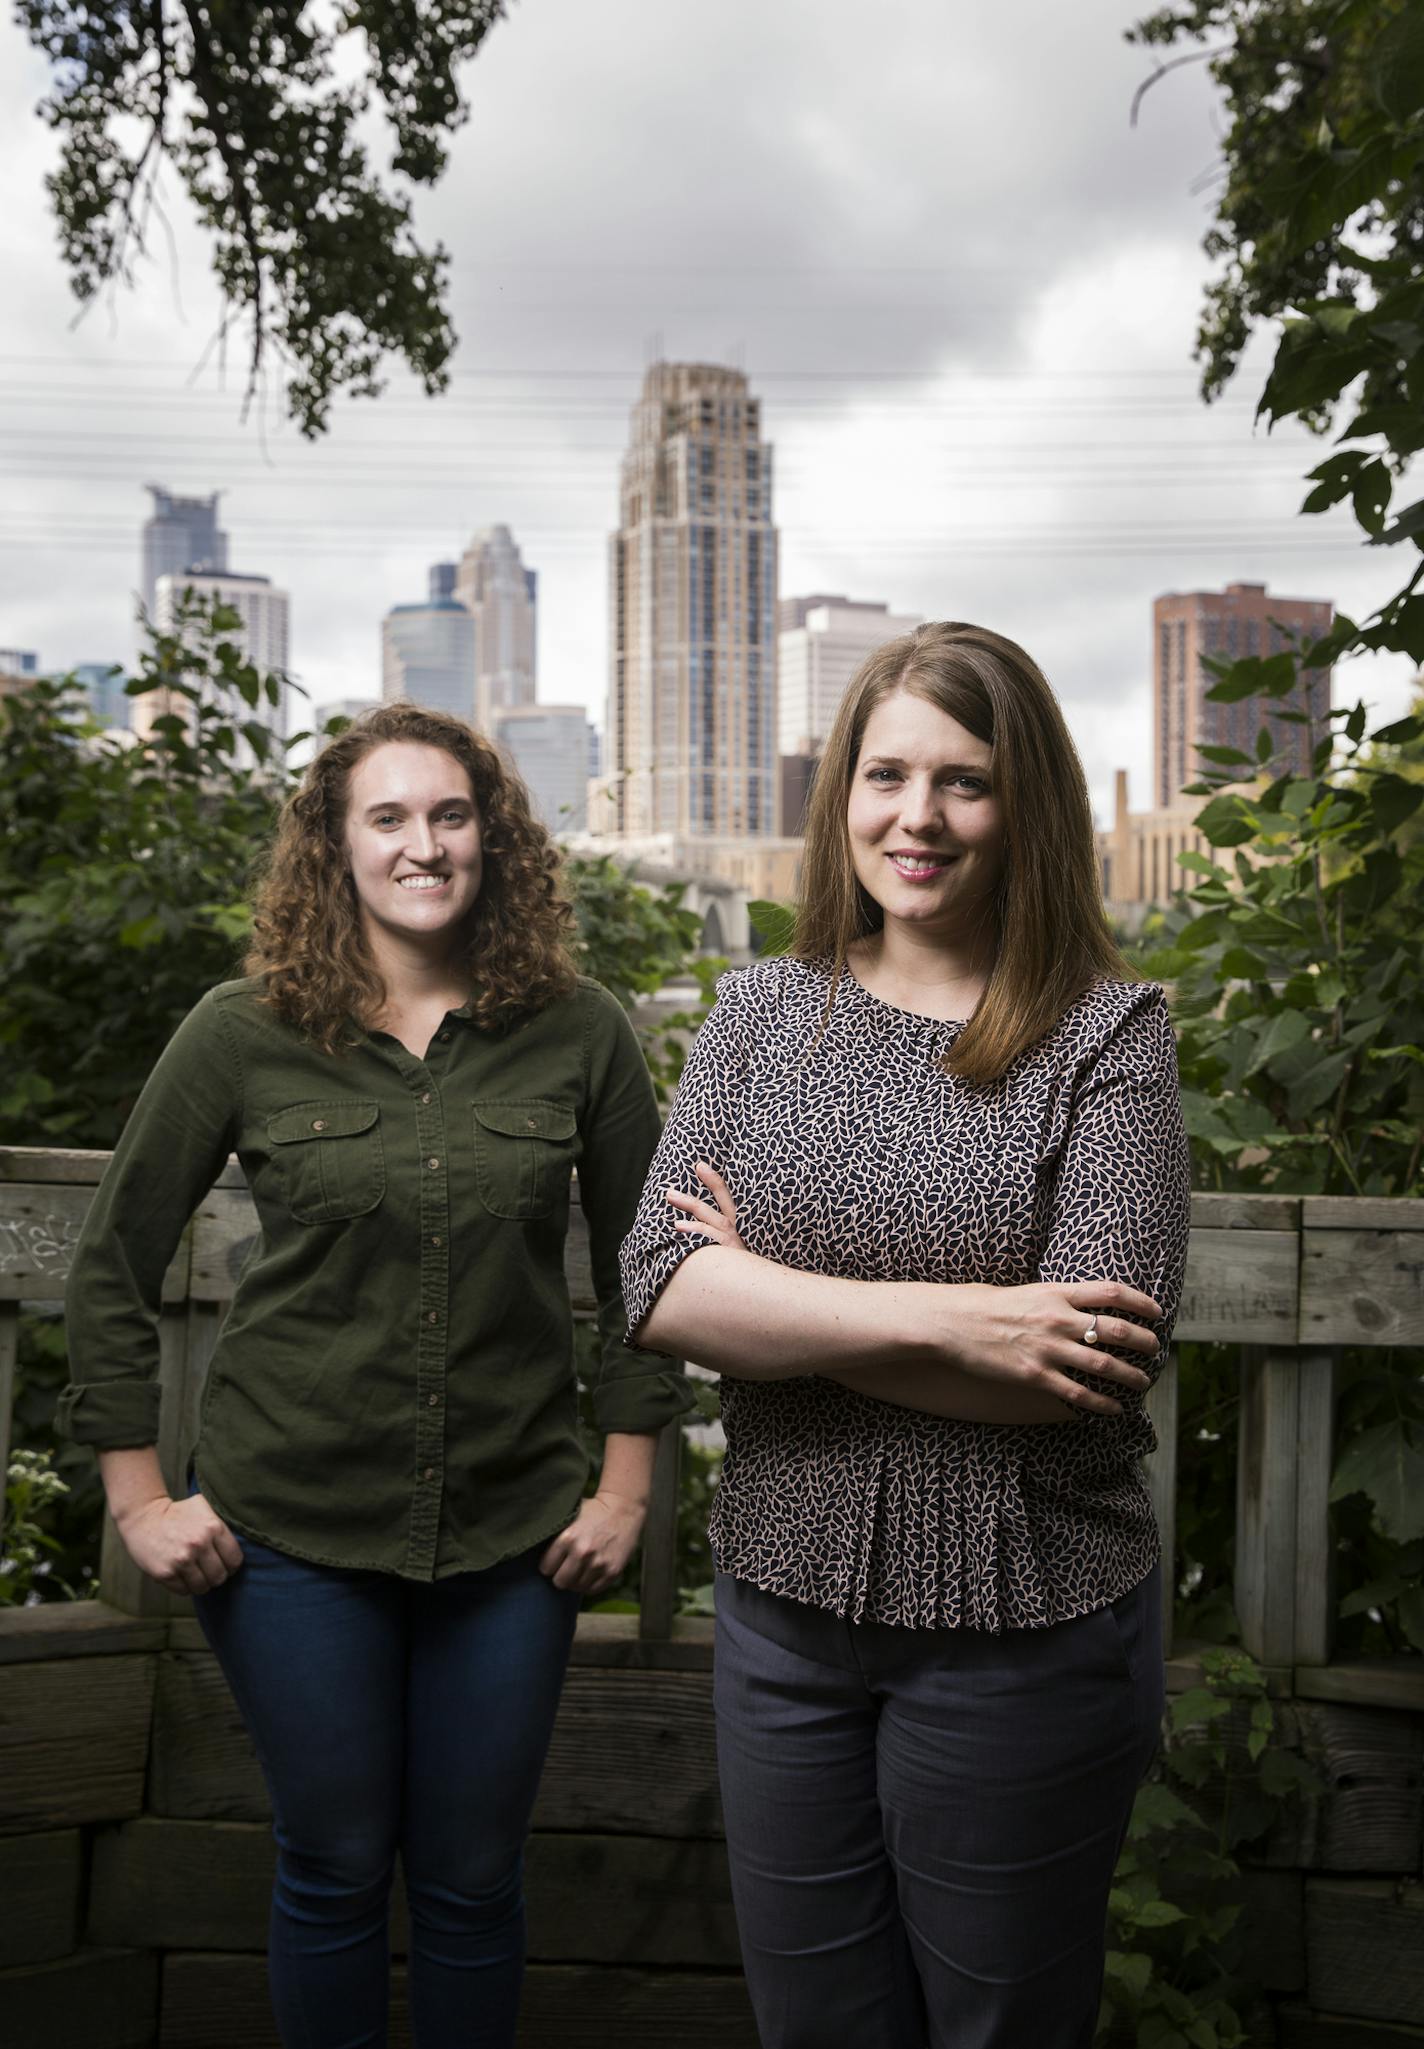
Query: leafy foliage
[[28, 1547], [124, 867], [1176, 1976], [262, 112]]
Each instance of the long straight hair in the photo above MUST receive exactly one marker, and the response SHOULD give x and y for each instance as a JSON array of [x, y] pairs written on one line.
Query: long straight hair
[[1053, 938]]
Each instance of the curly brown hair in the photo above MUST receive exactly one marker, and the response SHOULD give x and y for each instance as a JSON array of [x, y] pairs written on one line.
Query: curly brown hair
[[307, 940]]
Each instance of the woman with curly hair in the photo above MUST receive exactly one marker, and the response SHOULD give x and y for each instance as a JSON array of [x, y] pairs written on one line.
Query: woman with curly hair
[[386, 1530]]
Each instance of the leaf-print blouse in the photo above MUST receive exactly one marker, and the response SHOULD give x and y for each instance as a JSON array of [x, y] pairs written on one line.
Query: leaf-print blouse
[[849, 1151]]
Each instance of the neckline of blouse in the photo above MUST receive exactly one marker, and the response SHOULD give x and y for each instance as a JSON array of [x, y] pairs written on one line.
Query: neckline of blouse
[[849, 980]]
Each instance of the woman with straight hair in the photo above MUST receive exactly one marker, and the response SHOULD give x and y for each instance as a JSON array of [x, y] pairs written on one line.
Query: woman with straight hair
[[922, 1199], [386, 1531]]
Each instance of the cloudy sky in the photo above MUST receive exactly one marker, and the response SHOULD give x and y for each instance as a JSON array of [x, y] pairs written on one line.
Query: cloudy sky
[[963, 284]]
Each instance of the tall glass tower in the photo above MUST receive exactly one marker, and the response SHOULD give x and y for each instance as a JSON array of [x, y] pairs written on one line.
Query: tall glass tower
[[691, 729], [179, 534]]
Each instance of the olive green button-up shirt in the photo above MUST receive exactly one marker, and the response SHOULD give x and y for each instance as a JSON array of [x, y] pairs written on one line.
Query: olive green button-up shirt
[[393, 1387]]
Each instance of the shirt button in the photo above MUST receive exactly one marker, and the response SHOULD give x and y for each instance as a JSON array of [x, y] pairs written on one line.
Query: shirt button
[[444, 1038], [433, 1401], [426, 1097], [435, 1241], [433, 1164], [429, 1473], [531, 1124], [318, 1124], [432, 1316]]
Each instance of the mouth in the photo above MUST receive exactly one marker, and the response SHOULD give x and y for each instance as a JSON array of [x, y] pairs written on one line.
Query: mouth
[[421, 882], [920, 867]]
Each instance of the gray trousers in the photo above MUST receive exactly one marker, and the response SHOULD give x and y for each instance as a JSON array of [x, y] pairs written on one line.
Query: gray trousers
[[923, 1824]]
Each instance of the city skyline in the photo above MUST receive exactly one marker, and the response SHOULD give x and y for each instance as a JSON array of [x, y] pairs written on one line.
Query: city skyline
[[978, 413]]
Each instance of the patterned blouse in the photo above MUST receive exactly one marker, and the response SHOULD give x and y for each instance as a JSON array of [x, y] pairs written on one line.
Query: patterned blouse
[[857, 1155]]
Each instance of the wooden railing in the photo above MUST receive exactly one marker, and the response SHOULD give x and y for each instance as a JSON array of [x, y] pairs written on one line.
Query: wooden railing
[[1290, 1280]]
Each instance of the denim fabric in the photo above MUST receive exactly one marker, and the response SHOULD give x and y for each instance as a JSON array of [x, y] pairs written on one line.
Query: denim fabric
[[923, 1824], [390, 1716]]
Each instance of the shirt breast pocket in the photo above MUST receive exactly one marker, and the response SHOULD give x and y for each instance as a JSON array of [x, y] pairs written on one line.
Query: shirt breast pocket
[[523, 1156], [330, 1159]]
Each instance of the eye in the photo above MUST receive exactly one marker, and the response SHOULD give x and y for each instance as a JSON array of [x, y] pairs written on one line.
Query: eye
[[876, 775], [385, 818], [975, 785]]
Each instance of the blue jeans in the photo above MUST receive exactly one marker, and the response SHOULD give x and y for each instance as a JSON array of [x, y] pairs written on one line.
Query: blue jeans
[[389, 1716], [923, 1824]]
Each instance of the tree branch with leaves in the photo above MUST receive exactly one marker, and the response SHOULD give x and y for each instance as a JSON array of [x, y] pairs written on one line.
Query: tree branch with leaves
[[261, 112]]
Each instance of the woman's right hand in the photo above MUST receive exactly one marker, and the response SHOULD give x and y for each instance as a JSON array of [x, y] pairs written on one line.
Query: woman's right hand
[[181, 1544], [1026, 1337]]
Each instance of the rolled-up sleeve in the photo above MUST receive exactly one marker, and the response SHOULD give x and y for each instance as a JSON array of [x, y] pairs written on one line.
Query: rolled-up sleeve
[[634, 1389], [702, 1125], [171, 1151], [1120, 1201]]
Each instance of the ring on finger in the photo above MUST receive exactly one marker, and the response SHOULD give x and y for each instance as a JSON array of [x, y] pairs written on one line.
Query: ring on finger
[[1090, 1335]]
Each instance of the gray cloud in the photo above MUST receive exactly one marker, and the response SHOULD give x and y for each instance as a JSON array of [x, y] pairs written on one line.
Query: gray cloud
[[927, 231]]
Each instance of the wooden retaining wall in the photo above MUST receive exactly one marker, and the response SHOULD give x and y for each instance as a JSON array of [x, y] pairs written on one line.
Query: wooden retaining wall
[[135, 1855]]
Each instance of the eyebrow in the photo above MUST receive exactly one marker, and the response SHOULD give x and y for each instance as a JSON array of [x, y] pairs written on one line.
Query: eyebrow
[[397, 804], [896, 761]]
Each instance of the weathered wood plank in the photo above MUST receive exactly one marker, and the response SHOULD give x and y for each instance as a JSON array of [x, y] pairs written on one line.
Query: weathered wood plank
[[40, 1880], [205, 1885], [1362, 1287], [224, 1233], [73, 1739], [76, 1166], [1365, 1682], [1235, 1211], [29, 1163], [203, 1764], [95, 1999], [39, 1229], [1315, 1595], [220, 2002], [1241, 1287], [633, 1752], [1265, 1578], [1362, 1213], [658, 1581], [1365, 1948], [9, 1346], [74, 1629], [1273, 1920], [1160, 1474], [1371, 1764], [1298, 2027]]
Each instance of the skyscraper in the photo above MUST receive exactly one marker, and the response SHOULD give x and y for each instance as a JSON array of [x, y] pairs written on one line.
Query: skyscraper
[[691, 729], [548, 744], [104, 687], [501, 596], [1188, 626], [820, 643], [180, 533], [428, 651], [264, 637]]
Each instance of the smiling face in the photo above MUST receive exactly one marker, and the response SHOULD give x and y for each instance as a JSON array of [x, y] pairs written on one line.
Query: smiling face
[[413, 845], [926, 830]]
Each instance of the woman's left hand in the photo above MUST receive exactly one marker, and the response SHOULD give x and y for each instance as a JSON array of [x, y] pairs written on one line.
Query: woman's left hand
[[716, 1220], [592, 1554]]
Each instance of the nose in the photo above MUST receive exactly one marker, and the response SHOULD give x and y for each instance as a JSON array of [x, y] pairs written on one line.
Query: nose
[[420, 841], [919, 809]]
